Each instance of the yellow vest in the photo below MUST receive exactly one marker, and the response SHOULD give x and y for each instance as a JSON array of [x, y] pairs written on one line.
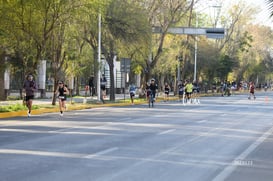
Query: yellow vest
[[189, 87]]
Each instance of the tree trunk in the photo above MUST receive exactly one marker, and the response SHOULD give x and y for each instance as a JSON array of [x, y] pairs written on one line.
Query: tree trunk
[[2, 82], [2, 91], [112, 80], [54, 98]]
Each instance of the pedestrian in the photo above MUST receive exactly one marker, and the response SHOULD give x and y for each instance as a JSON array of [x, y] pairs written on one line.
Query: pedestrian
[[167, 92], [195, 93], [62, 91], [188, 89], [103, 82], [91, 86], [132, 91], [251, 90], [29, 88], [181, 91]]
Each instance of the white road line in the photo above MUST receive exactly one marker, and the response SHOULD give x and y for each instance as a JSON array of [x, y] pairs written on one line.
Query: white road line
[[228, 170], [167, 131], [202, 121], [62, 130], [103, 152], [159, 116]]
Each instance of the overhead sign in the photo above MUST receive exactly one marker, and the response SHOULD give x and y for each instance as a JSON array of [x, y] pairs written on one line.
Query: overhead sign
[[215, 33], [209, 32]]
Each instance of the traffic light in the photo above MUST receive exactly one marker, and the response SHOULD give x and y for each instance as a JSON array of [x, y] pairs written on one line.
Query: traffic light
[[215, 33]]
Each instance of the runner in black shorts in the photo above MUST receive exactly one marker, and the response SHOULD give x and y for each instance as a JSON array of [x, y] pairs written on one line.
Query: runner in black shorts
[[167, 92], [29, 88], [62, 92]]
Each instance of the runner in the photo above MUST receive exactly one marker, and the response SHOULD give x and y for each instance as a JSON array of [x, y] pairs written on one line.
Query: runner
[[91, 86], [181, 91], [103, 82], [167, 92], [251, 90], [62, 91], [132, 91], [195, 93], [29, 88], [188, 89]]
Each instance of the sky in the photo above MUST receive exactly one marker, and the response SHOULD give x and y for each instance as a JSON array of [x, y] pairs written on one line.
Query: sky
[[261, 18]]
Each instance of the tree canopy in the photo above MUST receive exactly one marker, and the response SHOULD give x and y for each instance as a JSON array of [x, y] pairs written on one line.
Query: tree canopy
[[65, 33]]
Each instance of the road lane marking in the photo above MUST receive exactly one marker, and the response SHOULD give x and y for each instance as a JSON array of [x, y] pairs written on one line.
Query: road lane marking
[[202, 121], [223, 175], [167, 131], [103, 152]]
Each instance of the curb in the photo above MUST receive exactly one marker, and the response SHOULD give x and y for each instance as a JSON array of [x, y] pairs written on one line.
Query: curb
[[23, 113]]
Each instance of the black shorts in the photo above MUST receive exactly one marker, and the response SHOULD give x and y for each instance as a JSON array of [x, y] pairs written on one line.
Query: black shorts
[[29, 97], [103, 87], [167, 92], [181, 93], [132, 94]]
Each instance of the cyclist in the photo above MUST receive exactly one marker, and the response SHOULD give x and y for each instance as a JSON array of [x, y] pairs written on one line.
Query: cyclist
[[151, 89]]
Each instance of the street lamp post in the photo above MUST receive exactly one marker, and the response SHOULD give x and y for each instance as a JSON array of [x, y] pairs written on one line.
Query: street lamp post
[[195, 58], [195, 51], [99, 58], [180, 59], [196, 45]]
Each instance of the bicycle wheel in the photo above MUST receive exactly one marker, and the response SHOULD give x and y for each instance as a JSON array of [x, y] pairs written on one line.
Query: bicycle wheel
[[152, 100]]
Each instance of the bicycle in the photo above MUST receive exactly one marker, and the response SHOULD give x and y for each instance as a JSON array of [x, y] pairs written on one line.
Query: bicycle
[[151, 99]]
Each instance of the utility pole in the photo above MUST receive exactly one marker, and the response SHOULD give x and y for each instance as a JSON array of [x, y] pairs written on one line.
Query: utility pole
[[99, 58]]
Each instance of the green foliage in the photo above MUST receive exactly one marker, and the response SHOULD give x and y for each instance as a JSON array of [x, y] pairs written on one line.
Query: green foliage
[[16, 107], [65, 33], [245, 42], [127, 21], [226, 65]]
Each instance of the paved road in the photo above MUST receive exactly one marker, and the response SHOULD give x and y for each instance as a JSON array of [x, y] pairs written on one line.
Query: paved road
[[223, 138]]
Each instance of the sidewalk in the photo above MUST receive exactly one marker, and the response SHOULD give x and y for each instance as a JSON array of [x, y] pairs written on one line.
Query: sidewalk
[[77, 99]]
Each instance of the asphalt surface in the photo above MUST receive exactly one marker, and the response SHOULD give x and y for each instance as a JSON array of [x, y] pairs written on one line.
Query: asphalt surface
[[223, 138]]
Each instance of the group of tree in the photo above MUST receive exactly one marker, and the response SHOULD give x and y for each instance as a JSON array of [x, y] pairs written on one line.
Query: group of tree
[[65, 33]]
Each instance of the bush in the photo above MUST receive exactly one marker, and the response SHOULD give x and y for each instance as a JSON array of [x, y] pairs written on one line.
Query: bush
[[13, 98], [15, 107]]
